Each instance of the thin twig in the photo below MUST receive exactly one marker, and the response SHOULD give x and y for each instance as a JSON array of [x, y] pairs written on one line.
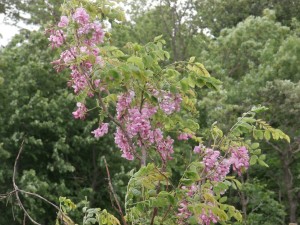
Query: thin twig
[[274, 146], [24, 219], [153, 215], [165, 215], [114, 194], [16, 192], [17, 189], [40, 197]]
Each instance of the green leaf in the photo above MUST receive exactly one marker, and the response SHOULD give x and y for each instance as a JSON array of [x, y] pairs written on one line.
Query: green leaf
[[157, 38], [137, 61], [253, 159], [258, 109], [184, 83], [262, 163], [148, 61], [186, 182], [192, 59], [223, 199], [257, 152], [262, 157], [255, 145], [192, 175], [258, 134], [135, 192], [238, 216], [267, 135], [114, 74]]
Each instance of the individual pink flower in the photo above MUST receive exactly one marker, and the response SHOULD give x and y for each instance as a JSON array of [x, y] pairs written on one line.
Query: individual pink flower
[[58, 65], [81, 16], [101, 131], [64, 21], [97, 82], [80, 112], [177, 102]]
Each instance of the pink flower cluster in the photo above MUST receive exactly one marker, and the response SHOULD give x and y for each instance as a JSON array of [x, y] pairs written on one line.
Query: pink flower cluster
[[56, 38], [80, 112], [199, 149], [91, 34], [184, 136], [184, 212], [101, 130], [123, 103], [122, 142], [168, 102], [240, 159], [207, 217], [81, 16], [217, 168], [191, 190], [137, 125], [64, 21]]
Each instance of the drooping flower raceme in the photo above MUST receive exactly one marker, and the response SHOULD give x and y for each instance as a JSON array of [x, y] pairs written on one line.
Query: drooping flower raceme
[[64, 21], [184, 136], [80, 112], [184, 212], [217, 167], [169, 102], [56, 38], [81, 16], [239, 159], [101, 130], [207, 217], [123, 143], [137, 124]]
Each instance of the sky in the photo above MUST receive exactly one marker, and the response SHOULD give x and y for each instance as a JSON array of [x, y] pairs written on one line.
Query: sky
[[8, 31]]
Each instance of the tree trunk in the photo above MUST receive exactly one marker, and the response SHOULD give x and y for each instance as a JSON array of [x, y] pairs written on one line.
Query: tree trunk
[[289, 185]]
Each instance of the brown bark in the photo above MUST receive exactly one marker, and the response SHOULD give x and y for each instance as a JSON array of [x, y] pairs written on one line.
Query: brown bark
[[289, 185], [244, 201]]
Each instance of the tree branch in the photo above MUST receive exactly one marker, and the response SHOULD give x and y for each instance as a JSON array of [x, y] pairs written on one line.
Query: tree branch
[[114, 194], [16, 190]]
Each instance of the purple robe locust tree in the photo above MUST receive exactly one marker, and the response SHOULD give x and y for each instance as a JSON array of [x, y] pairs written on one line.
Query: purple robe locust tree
[[150, 106]]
